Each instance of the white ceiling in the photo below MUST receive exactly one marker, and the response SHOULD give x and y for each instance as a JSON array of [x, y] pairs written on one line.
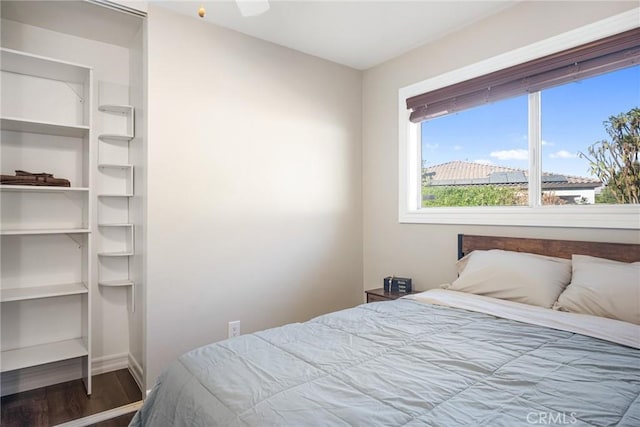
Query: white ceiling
[[357, 33]]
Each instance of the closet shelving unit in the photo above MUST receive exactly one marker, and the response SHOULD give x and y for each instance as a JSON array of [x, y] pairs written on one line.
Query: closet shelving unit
[[36, 355], [128, 178], [45, 231], [116, 283], [43, 320], [123, 118], [40, 189], [35, 292], [126, 112], [47, 128], [116, 254]]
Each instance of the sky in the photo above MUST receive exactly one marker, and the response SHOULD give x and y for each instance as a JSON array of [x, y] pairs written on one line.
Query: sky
[[572, 119]]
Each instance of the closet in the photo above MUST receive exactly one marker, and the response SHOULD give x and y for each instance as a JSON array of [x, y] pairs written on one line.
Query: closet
[[71, 260]]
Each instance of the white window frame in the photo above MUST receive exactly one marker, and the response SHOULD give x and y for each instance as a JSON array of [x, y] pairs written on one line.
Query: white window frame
[[535, 214]]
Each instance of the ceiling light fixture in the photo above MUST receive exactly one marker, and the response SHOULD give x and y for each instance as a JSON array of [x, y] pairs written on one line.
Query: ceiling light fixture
[[252, 7]]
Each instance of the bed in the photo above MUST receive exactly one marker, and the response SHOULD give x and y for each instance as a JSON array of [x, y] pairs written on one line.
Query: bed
[[439, 358]]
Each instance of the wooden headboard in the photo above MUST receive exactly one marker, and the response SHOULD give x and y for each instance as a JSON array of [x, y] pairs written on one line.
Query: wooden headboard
[[626, 252]]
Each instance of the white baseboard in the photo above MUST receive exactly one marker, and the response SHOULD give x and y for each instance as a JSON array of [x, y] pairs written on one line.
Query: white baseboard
[[136, 371], [101, 365], [67, 370]]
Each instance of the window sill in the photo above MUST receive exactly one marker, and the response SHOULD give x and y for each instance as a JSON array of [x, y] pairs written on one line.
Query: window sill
[[593, 216]]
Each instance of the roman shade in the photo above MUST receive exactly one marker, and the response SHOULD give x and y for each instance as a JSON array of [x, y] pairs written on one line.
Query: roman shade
[[588, 60]]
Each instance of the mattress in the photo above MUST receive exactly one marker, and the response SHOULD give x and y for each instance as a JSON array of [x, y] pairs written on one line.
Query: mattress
[[401, 363]]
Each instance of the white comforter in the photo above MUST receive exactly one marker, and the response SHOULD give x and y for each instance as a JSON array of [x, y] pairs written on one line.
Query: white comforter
[[598, 327]]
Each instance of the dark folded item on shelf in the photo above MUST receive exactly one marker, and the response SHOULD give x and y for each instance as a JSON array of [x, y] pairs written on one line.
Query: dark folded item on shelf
[[28, 178]]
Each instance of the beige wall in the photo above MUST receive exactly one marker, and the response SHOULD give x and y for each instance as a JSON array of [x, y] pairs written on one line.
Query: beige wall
[[427, 253], [273, 175], [254, 185]]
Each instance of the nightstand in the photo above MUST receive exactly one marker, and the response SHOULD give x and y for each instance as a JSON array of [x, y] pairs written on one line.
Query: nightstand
[[374, 295]]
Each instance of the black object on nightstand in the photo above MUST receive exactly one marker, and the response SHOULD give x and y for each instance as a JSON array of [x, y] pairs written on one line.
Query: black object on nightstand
[[374, 295], [397, 284]]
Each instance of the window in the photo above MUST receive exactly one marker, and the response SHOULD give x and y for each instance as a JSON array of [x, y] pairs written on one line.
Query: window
[[494, 149], [480, 156], [477, 157], [571, 120]]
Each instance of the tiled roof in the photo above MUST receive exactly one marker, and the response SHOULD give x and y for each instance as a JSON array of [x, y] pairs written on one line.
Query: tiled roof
[[469, 173]]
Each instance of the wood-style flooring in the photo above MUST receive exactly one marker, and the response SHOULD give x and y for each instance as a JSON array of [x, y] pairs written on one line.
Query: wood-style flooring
[[68, 401]]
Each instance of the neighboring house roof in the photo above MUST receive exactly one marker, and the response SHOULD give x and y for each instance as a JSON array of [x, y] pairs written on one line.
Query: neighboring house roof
[[469, 173]]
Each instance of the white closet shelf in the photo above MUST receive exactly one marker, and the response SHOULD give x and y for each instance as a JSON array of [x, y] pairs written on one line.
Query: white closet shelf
[[116, 283], [41, 188], [47, 128], [122, 283], [115, 136], [114, 166], [46, 231], [48, 291], [116, 195], [44, 353], [116, 108], [116, 254], [18, 62], [122, 224]]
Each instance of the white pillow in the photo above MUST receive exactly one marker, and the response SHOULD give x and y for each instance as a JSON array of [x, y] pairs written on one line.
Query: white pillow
[[514, 276], [603, 287]]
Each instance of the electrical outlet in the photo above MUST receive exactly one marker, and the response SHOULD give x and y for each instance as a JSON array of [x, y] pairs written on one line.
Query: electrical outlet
[[234, 328]]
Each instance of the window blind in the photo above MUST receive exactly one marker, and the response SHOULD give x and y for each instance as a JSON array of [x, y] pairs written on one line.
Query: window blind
[[598, 57]]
